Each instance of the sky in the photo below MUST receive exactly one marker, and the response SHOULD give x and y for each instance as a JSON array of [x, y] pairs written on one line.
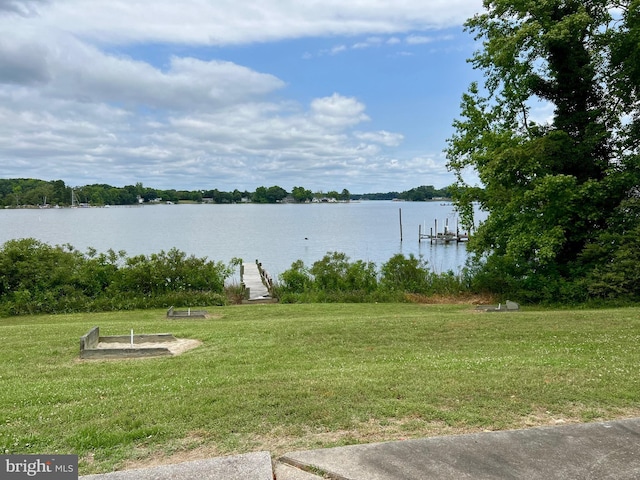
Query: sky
[[220, 94]]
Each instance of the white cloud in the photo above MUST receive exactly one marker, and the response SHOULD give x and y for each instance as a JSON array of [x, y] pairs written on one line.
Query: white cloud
[[381, 41], [369, 42], [541, 112], [382, 137], [67, 68], [223, 22], [337, 49], [70, 108], [418, 39], [338, 111]]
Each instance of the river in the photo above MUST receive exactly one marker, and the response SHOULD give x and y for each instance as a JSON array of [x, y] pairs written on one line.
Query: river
[[275, 234]]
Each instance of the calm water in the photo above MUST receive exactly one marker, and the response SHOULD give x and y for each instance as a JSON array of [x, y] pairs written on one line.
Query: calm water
[[277, 235]]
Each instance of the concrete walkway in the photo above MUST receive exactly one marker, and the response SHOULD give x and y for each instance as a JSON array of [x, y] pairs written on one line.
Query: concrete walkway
[[251, 466], [608, 450]]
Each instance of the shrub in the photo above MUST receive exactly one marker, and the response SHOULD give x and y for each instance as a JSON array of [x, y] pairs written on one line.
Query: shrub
[[295, 280], [38, 278], [405, 274]]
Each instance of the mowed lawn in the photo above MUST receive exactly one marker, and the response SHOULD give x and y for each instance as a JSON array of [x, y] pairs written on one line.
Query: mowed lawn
[[288, 377]]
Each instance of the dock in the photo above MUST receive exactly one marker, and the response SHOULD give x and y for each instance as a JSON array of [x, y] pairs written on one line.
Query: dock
[[256, 283], [446, 236]]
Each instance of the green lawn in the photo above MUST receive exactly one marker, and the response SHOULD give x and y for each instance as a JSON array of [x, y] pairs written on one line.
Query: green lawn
[[285, 377]]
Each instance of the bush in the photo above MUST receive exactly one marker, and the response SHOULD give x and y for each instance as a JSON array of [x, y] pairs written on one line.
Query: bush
[[405, 274], [295, 280], [38, 278], [336, 279]]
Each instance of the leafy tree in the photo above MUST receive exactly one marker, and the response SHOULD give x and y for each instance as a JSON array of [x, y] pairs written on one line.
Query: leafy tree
[[276, 194], [260, 195], [423, 193], [236, 196], [551, 188], [59, 193], [301, 194], [333, 194]]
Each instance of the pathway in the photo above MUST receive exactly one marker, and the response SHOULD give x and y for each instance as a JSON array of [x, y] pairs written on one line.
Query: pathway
[[252, 281]]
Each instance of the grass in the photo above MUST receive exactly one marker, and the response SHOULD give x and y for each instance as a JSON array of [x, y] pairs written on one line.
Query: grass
[[285, 377]]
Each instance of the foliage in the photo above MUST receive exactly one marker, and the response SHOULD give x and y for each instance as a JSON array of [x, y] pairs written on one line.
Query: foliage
[[18, 193], [335, 273], [297, 279], [301, 194], [551, 190], [417, 194], [408, 275], [424, 193], [618, 252], [335, 278], [38, 278]]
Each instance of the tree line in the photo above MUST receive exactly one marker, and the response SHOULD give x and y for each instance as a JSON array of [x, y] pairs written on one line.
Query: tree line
[[21, 192]]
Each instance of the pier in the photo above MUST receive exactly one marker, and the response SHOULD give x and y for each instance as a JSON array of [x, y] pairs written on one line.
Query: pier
[[256, 283], [446, 236]]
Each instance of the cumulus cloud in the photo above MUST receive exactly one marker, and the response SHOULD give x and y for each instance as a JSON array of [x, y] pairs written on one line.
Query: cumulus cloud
[[247, 142], [72, 107], [68, 68], [338, 111]]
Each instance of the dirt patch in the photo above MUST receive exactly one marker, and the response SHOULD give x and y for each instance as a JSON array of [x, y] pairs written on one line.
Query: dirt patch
[[176, 347], [450, 299]]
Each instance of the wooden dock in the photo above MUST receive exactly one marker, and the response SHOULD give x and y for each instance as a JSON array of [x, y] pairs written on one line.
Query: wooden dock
[[446, 236], [256, 283]]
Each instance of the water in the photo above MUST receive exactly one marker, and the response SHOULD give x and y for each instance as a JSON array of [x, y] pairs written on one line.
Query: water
[[277, 235]]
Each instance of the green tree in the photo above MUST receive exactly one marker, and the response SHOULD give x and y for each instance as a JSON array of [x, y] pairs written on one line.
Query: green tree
[[276, 194], [333, 194], [301, 194], [260, 195], [551, 188]]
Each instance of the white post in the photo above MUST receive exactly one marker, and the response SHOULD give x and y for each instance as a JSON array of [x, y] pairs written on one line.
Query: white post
[[189, 312], [132, 338]]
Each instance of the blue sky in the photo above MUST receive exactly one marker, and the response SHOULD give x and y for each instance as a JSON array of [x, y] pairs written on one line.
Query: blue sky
[[203, 94]]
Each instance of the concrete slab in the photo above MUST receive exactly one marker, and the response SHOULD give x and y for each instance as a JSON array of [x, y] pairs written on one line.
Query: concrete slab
[[585, 451], [250, 466]]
